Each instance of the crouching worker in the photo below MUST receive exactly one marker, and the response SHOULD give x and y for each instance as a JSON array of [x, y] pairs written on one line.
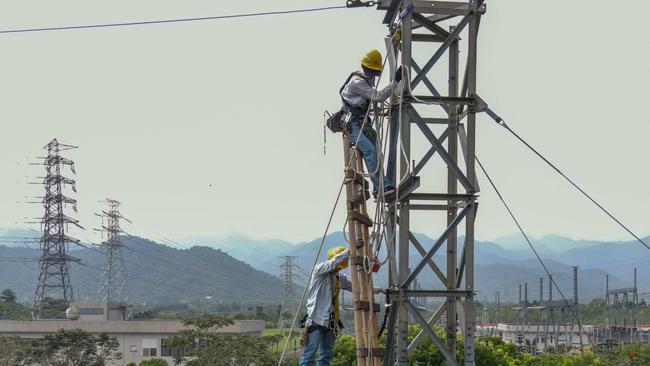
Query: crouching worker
[[323, 322]]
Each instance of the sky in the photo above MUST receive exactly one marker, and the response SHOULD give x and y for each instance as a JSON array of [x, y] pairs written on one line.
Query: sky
[[214, 127]]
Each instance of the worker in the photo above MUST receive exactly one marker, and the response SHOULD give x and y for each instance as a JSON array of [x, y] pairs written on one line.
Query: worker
[[357, 94], [323, 323]]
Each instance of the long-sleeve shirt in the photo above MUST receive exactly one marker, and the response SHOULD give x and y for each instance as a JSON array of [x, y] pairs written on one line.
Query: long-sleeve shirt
[[359, 91], [319, 296]]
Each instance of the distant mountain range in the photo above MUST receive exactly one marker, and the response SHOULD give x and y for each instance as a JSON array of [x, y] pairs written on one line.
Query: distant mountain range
[[234, 267], [501, 265], [155, 272]]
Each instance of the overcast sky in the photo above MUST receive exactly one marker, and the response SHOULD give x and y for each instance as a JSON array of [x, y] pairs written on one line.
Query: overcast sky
[[208, 128]]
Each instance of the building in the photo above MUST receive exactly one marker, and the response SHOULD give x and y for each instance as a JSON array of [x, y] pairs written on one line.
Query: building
[[139, 340]]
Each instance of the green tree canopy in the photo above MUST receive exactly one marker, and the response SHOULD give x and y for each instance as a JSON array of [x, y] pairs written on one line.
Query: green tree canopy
[[154, 362], [206, 347], [8, 295]]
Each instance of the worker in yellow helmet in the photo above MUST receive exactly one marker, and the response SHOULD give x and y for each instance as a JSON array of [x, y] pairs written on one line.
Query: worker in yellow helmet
[[358, 93], [322, 323]]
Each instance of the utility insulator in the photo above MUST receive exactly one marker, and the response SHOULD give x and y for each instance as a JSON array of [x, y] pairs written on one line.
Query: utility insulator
[[359, 4]]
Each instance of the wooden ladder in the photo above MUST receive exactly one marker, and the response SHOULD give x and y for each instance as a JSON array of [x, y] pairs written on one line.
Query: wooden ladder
[[365, 308]]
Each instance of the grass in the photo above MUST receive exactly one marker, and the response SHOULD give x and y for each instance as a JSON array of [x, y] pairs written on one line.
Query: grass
[[279, 346]]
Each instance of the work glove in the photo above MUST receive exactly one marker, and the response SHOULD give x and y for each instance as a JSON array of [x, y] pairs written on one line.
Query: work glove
[[398, 74]]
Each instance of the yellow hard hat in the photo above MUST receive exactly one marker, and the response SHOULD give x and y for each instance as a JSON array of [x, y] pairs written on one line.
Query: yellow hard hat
[[372, 60], [332, 252]]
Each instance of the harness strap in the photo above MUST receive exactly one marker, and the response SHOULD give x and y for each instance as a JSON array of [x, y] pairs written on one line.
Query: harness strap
[[347, 81], [336, 288]]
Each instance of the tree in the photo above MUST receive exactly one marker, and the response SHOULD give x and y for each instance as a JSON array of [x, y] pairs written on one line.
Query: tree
[[14, 311], [14, 351], [206, 347], [76, 348], [345, 351], [154, 362], [8, 295], [143, 315]]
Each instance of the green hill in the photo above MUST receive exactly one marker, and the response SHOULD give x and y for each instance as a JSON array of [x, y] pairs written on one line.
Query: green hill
[[155, 272]]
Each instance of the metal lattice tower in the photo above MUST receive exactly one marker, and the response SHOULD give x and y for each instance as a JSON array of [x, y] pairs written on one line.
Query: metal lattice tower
[[54, 280], [287, 275], [557, 322], [622, 313], [449, 119], [112, 283]]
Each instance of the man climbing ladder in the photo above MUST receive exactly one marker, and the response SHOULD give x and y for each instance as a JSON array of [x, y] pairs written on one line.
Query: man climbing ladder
[[357, 94]]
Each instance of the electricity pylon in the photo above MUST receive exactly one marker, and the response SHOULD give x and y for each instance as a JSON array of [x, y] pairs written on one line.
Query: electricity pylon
[[287, 266], [112, 283], [54, 288]]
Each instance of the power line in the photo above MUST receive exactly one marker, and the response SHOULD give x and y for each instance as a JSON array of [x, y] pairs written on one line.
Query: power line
[[503, 124], [530, 244], [304, 293], [230, 275], [175, 20], [248, 243], [164, 283], [215, 269], [251, 245]]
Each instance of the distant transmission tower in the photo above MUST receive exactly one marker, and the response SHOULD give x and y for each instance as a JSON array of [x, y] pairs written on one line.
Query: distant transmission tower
[[287, 266], [54, 292], [112, 283]]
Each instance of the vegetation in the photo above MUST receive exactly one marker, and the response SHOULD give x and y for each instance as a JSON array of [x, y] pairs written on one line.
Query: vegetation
[[8, 295], [187, 310], [154, 362], [493, 351], [14, 311], [64, 348], [201, 345], [595, 312]]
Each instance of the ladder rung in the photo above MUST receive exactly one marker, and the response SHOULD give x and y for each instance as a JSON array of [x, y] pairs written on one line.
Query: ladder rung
[[361, 218], [360, 198], [352, 176], [376, 352], [365, 305], [356, 260]]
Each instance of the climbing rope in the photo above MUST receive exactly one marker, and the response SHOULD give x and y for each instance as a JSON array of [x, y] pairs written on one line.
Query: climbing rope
[[329, 222]]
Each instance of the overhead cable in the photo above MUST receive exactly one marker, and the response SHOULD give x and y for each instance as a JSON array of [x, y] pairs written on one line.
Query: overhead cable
[[174, 20], [503, 124], [532, 247], [304, 293]]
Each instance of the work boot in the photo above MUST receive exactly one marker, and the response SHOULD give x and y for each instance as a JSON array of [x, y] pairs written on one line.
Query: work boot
[[388, 191]]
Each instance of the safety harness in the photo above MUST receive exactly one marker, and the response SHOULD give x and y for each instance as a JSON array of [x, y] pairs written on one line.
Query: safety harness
[[335, 317], [335, 324], [339, 121]]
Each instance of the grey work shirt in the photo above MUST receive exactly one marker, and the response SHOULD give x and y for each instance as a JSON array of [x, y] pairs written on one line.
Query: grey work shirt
[[358, 91], [319, 297]]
